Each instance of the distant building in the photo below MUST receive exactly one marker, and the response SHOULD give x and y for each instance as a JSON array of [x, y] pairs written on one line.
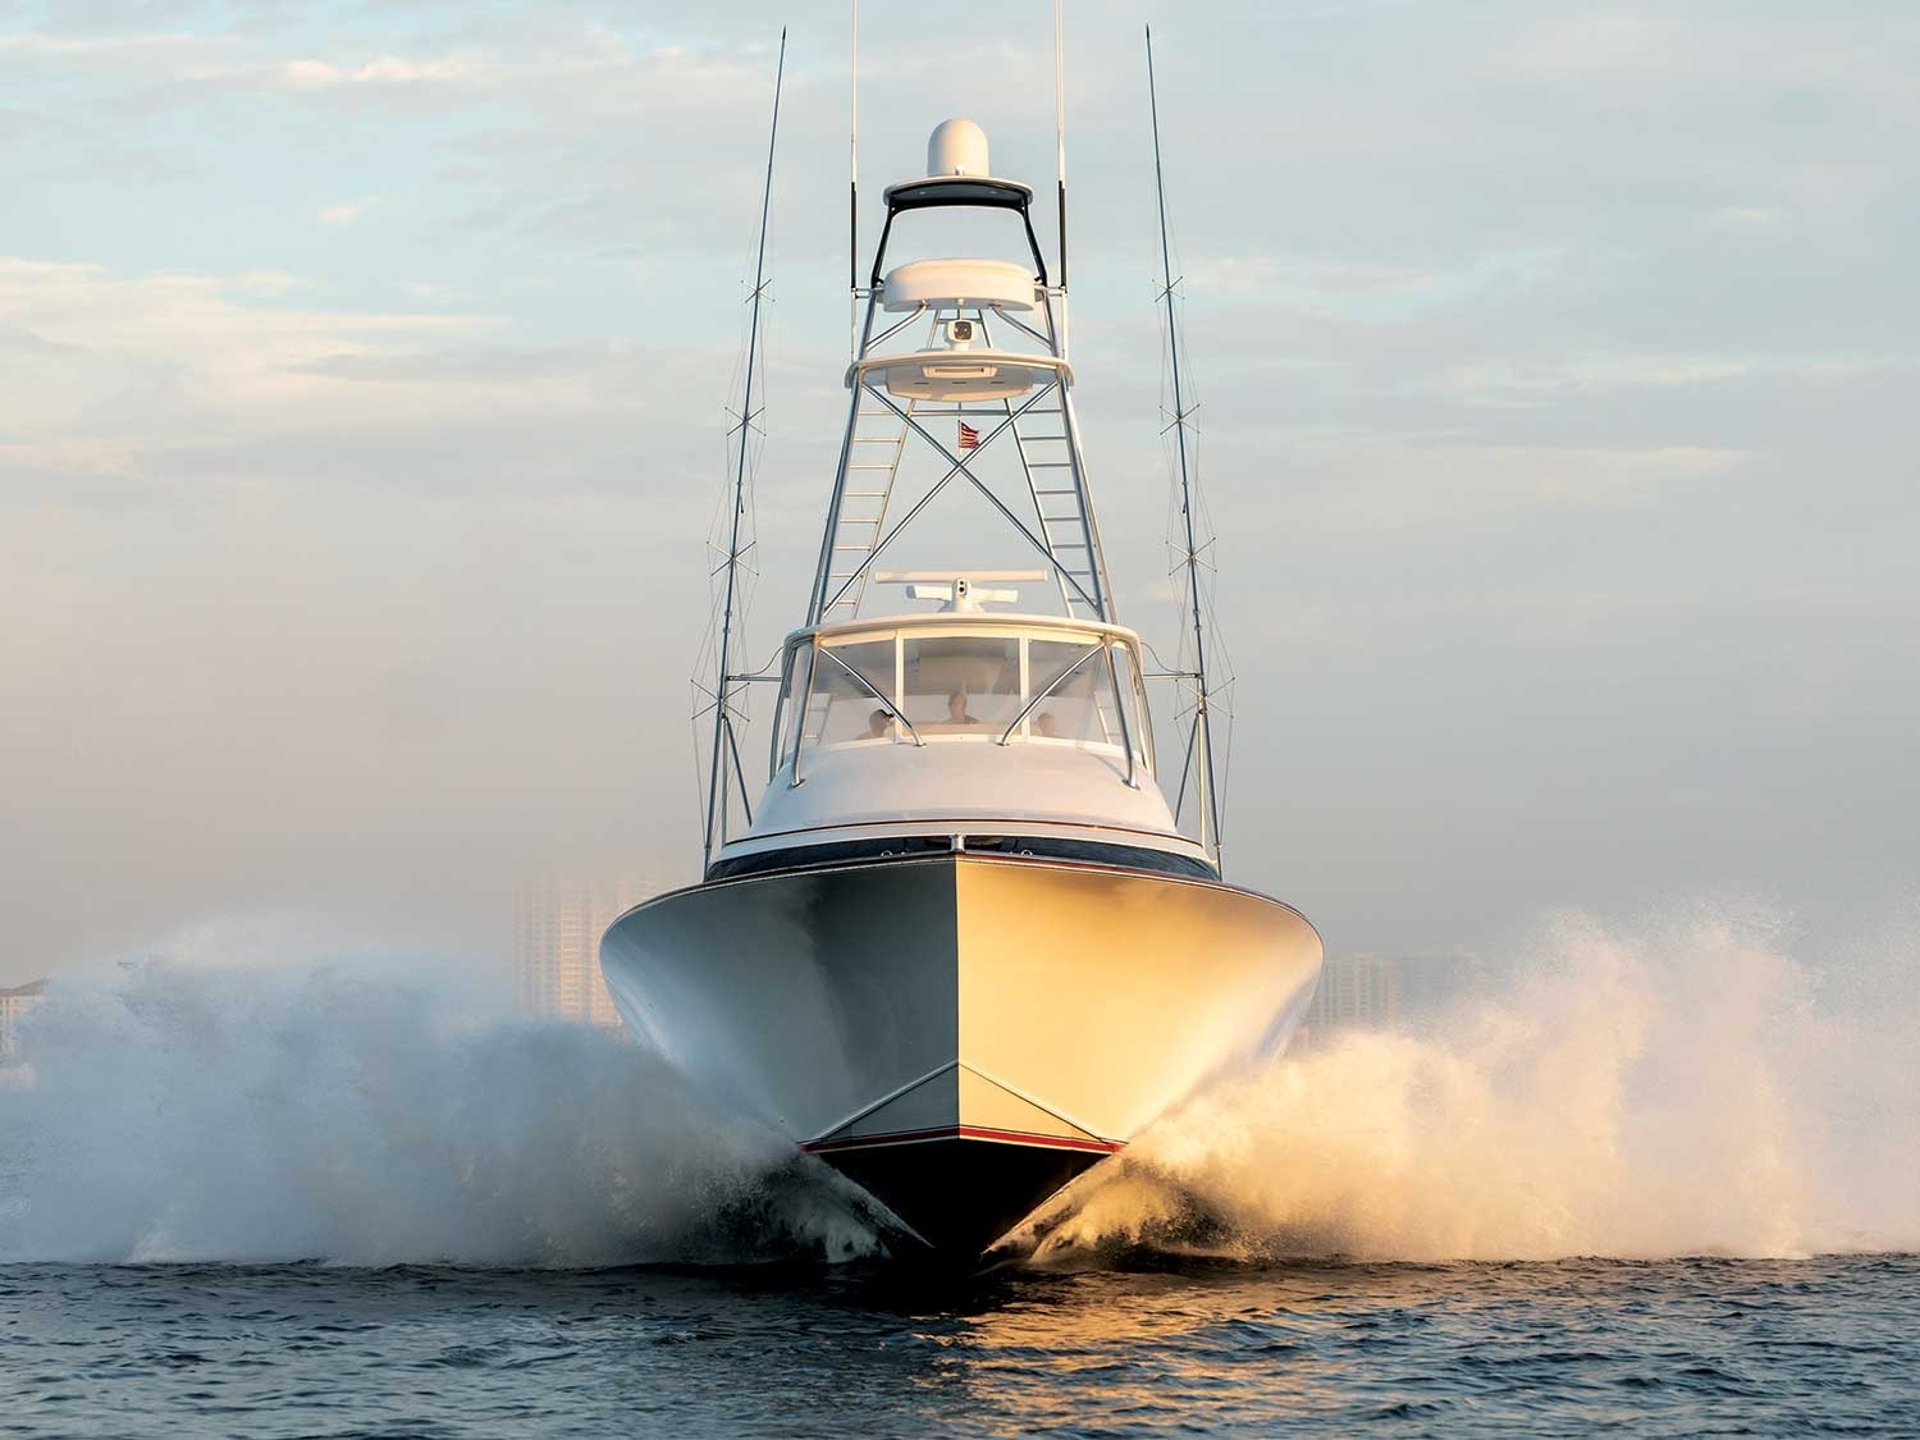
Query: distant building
[[1379, 992], [558, 923], [1356, 992], [14, 1004], [1432, 984]]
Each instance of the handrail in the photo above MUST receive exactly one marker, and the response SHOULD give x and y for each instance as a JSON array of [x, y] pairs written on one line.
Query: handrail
[[800, 720], [869, 687], [895, 328], [1052, 686], [779, 714], [965, 622], [1126, 728]]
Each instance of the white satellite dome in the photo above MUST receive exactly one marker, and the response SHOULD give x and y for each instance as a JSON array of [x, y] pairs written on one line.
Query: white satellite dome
[[957, 147]]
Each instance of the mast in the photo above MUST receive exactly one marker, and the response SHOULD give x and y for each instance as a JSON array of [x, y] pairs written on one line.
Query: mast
[[1200, 738], [726, 747]]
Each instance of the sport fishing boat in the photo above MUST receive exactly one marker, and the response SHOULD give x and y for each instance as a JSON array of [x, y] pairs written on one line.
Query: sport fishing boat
[[958, 946]]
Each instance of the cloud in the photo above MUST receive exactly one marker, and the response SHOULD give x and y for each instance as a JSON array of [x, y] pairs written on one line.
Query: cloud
[[1510, 381], [218, 321], [127, 365], [1596, 44], [346, 213], [502, 364], [1369, 291], [213, 56], [121, 386], [111, 49], [383, 71], [1347, 488], [1742, 215]]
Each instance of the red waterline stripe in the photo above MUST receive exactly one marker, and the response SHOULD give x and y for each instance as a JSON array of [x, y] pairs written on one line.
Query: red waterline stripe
[[967, 1132]]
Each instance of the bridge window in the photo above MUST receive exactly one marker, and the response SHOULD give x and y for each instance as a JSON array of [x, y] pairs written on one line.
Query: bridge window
[[1031, 685], [960, 684], [851, 685]]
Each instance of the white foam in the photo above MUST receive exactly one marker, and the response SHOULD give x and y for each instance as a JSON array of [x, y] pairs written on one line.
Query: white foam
[[1687, 1087], [182, 1110]]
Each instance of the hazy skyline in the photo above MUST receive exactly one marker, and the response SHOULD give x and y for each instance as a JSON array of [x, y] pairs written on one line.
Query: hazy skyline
[[363, 381]]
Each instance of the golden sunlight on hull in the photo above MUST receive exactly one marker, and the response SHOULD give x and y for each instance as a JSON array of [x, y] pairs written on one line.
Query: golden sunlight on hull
[[963, 1034]]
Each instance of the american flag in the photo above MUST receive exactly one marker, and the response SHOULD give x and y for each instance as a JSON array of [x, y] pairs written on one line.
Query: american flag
[[969, 437]]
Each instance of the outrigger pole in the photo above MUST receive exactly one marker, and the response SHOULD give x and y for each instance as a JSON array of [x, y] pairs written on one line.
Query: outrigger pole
[[726, 745], [853, 184], [1060, 151], [1200, 736]]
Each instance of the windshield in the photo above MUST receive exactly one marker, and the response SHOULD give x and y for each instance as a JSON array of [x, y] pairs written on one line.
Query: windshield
[[990, 684], [960, 684]]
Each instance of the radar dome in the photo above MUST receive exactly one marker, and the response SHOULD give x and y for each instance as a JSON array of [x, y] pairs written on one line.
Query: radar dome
[[957, 147]]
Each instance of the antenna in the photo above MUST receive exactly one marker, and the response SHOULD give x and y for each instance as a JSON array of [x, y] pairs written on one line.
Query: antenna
[[726, 746], [853, 185], [1060, 150], [1200, 737]]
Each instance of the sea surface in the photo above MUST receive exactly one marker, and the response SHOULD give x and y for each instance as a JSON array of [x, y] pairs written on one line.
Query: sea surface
[[1680, 1347]]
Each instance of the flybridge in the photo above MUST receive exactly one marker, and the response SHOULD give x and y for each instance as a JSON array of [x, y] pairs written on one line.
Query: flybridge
[[960, 355]]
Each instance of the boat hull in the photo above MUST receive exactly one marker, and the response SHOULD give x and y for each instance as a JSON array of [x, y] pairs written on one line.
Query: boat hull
[[961, 1034]]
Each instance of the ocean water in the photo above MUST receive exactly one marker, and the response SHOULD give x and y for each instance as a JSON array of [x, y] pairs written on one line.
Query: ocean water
[[1692, 1347], [1656, 1179]]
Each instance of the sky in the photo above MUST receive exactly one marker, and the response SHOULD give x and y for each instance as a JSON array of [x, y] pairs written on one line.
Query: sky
[[363, 374]]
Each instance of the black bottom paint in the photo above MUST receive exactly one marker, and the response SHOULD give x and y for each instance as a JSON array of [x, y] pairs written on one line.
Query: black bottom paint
[[961, 1195]]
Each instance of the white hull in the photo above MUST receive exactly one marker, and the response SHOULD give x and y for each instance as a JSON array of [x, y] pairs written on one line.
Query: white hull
[[997, 1022]]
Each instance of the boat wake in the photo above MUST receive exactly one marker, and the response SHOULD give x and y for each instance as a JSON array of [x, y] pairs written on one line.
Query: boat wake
[[1690, 1088], [1687, 1088], [330, 1111]]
